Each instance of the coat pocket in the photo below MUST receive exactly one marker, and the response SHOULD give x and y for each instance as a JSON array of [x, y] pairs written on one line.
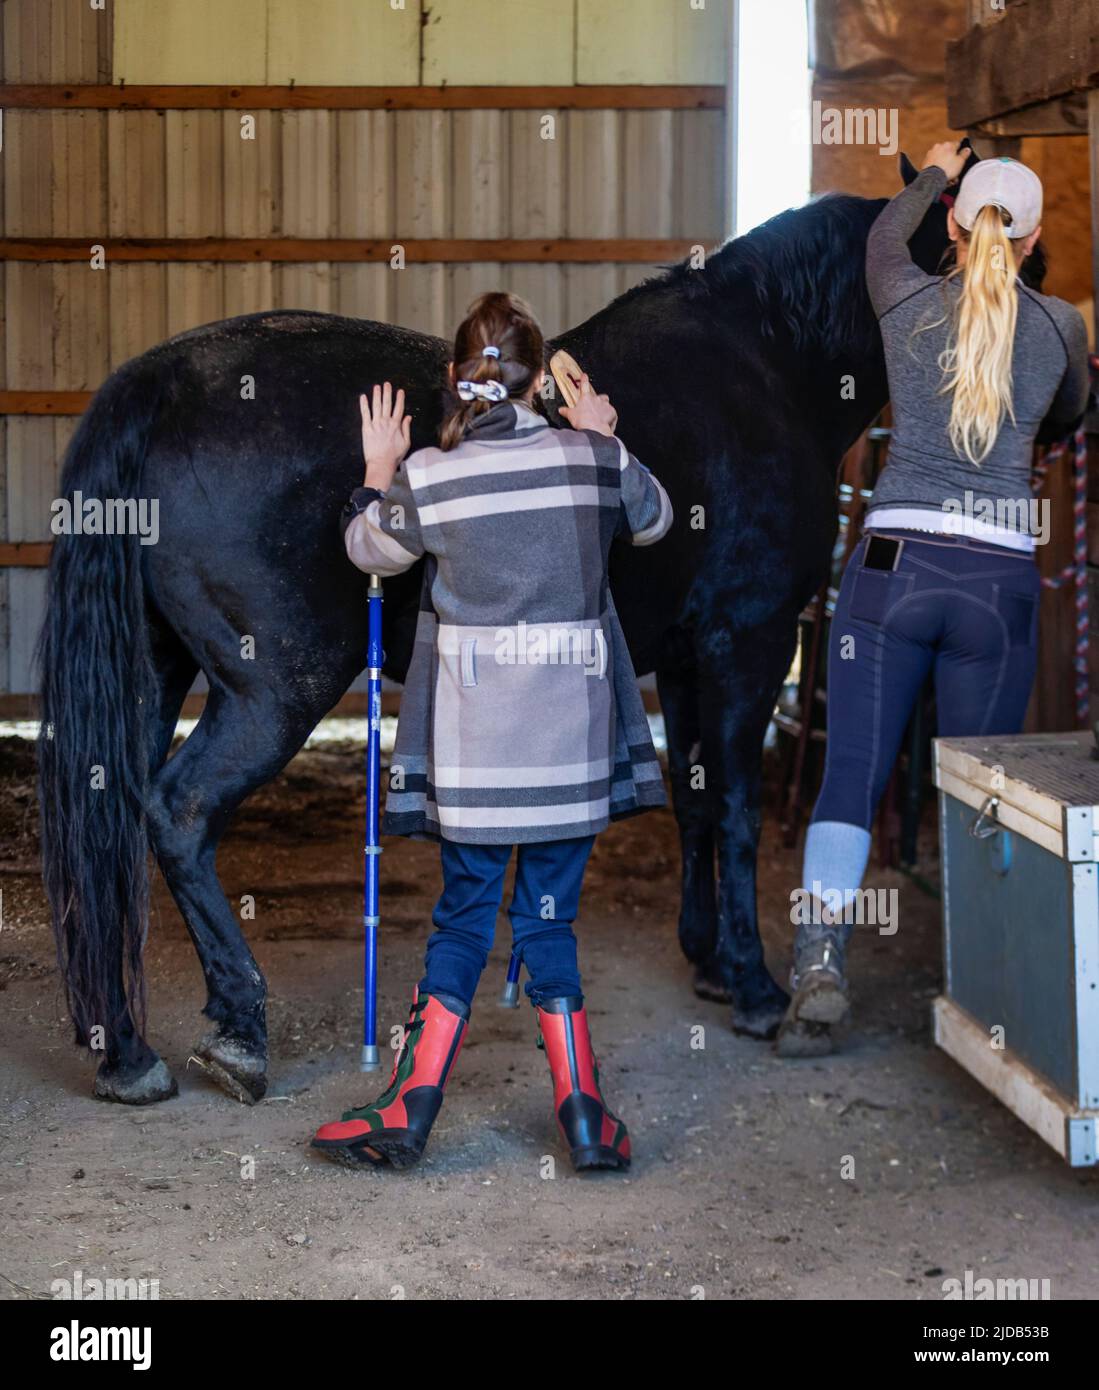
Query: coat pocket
[[468, 660], [875, 592]]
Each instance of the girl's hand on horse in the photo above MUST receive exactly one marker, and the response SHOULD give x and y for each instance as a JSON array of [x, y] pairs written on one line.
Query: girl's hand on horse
[[591, 412], [387, 435], [948, 157]]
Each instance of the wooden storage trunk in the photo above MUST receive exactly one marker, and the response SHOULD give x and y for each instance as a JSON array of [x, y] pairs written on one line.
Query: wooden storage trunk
[[1019, 831]]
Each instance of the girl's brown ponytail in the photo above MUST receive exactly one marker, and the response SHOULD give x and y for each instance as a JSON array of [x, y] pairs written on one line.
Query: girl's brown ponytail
[[504, 322]]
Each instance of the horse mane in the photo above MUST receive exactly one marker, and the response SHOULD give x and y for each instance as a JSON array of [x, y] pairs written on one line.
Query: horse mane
[[807, 270]]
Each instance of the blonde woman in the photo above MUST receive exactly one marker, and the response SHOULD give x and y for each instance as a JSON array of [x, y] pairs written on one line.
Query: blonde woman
[[944, 578]]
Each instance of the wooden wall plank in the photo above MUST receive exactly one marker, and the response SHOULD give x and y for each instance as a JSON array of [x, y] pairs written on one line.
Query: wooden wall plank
[[536, 176], [32, 473], [80, 345], [79, 173], [420, 299], [181, 96], [27, 41], [252, 173], [138, 313], [77, 36], [309, 173], [199, 41], [367, 173], [479, 171], [29, 338], [484, 43], [27, 160], [249, 289], [305, 287], [648, 173], [355, 44], [195, 295], [701, 176], [587, 289], [595, 167], [366, 292], [248, 250], [193, 163], [137, 187], [652, 41], [424, 142]]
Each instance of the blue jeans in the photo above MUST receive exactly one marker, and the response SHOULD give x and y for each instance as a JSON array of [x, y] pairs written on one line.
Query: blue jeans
[[548, 878], [962, 609]]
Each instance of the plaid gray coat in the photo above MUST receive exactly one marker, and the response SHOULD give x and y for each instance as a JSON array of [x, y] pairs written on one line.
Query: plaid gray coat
[[521, 719]]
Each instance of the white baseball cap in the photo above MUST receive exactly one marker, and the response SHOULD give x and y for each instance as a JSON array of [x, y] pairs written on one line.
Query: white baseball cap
[[1006, 184]]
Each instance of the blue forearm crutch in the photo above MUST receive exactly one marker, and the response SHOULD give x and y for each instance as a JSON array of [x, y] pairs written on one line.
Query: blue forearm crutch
[[370, 1060], [509, 999]]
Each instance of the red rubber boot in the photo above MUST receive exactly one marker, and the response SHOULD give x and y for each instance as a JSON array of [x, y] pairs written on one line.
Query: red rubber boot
[[596, 1138], [394, 1128]]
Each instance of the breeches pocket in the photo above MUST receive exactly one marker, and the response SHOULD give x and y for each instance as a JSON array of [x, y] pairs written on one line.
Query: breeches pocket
[[1019, 611], [874, 593]]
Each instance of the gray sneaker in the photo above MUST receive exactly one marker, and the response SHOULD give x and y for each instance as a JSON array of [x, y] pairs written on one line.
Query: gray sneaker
[[819, 984]]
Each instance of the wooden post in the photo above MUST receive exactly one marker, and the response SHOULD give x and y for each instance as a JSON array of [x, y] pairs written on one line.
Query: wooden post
[[1093, 139], [996, 146], [732, 89]]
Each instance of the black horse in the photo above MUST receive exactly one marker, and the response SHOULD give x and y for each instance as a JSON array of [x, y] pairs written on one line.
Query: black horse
[[741, 384]]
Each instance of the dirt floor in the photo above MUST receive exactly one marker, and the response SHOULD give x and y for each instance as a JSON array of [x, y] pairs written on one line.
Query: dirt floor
[[736, 1189]]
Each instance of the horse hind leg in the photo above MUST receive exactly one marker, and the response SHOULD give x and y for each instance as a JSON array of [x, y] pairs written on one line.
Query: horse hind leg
[[241, 741]]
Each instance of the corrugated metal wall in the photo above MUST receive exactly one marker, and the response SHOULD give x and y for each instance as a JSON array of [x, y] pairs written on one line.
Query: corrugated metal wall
[[316, 173]]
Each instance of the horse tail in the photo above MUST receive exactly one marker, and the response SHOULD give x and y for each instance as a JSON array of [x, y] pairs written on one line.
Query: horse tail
[[97, 691]]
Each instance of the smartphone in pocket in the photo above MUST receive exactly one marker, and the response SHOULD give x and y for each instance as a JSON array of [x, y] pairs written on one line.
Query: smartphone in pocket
[[882, 553]]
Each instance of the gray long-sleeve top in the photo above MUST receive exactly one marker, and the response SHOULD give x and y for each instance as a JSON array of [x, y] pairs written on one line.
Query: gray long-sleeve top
[[1050, 374]]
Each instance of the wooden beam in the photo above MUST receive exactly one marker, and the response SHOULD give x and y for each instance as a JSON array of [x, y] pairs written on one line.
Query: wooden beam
[[1093, 155], [44, 402], [611, 250], [26, 554], [1036, 51], [1062, 116], [618, 97]]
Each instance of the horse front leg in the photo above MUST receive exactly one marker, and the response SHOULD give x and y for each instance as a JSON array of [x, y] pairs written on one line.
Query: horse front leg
[[677, 683], [737, 701]]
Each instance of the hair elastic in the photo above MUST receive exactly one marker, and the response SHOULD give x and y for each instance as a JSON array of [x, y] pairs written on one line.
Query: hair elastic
[[482, 391], [490, 352]]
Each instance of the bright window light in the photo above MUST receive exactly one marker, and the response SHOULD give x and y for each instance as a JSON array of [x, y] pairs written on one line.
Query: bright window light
[[774, 153]]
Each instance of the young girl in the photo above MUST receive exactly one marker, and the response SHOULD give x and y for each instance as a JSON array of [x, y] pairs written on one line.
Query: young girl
[[521, 723]]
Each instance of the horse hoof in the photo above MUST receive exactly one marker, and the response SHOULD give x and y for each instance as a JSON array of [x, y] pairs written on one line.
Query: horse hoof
[[762, 1018], [708, 986], [238, 1069], [135, 1086]]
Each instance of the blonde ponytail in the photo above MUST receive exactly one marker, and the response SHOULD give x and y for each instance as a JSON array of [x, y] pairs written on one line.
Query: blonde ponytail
[[977, 362]]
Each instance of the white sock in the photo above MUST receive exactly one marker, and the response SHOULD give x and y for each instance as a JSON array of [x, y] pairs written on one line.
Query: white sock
[[835, 861]]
